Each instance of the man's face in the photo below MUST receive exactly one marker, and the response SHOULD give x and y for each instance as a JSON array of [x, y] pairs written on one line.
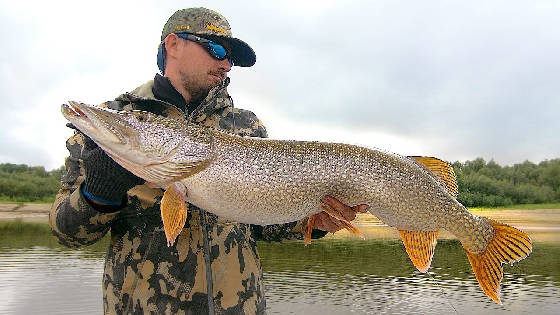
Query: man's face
[[198, 71]]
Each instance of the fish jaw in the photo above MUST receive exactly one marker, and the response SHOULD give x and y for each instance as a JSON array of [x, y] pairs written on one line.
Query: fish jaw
[[158, 149], [93, 122], [110, 130]]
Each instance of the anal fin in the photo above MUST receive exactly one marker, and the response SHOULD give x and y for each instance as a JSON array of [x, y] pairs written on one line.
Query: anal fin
[[420, 246], [173, 211]]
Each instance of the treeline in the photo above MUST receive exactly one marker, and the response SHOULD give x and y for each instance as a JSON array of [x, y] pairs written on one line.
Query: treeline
[[481, 183], [487, 184], [22, 183]]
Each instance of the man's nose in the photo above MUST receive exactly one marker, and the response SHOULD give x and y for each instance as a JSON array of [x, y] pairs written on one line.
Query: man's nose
[[225, 65]]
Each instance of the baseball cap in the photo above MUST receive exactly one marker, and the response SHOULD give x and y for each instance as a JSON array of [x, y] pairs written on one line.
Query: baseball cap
[[205, 22]]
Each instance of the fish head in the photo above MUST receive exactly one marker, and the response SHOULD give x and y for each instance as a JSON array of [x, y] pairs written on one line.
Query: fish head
[[152, 146]]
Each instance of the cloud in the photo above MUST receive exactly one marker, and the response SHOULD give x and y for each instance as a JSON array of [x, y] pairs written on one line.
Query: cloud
[[443, 75], [451, 79]]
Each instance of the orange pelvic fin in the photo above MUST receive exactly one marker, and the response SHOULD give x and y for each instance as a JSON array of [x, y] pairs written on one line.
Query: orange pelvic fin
[[352, 229], [343, 222], [420, 246], [508, 245], [173, 211], [309, 229], [340, 222]]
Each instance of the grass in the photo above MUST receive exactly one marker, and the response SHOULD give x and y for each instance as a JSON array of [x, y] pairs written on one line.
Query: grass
[[17, 227], [45, 201], [520, 207], [17, 234]]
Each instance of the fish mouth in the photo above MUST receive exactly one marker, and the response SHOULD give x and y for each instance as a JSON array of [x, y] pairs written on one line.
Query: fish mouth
[[92, 121], [72, 110]]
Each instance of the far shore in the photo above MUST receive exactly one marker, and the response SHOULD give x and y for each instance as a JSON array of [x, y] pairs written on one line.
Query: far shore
[[540, 224], [25, 212]]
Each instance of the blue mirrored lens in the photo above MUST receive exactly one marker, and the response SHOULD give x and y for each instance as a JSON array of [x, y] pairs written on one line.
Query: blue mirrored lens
[[216, 50]]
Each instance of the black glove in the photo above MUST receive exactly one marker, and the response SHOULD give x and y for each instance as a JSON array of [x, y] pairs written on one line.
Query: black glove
[[106, 181]]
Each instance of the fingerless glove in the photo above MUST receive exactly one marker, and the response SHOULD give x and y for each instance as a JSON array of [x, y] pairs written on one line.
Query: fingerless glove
[[106, 181]]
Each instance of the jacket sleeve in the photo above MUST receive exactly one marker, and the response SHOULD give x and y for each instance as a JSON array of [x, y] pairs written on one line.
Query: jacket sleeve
[[72, 219]]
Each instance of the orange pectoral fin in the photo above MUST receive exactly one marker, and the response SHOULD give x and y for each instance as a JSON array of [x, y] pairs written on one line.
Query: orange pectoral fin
[[420, 246], [173, 211]]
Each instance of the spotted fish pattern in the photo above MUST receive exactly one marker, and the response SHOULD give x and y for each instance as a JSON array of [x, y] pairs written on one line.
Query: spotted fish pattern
[[261, 181]]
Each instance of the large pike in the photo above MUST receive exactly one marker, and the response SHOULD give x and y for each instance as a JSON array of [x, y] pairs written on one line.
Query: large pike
[[262, 181]]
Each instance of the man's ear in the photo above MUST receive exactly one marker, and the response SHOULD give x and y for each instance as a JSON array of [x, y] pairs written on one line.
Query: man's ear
[[172, 43]]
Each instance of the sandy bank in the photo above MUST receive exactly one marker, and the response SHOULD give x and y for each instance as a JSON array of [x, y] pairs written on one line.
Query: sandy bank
[[26, 212], [541, 225]]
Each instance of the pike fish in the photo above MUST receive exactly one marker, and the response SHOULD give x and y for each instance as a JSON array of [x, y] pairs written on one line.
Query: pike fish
[[262, 181]]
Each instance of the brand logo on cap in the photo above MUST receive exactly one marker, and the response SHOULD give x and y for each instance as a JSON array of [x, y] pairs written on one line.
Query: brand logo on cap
[[215, 28], [182, 27]]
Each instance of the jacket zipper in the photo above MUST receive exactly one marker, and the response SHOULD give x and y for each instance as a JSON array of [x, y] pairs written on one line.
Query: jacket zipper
[[209, 281]]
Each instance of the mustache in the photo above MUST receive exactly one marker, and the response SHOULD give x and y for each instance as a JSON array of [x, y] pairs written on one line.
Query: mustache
[[221, 74]]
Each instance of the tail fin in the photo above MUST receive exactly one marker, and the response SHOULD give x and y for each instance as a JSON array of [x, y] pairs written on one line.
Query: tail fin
[[508, 245]]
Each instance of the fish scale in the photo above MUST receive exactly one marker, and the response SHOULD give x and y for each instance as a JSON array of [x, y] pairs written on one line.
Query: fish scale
[[262, 181]]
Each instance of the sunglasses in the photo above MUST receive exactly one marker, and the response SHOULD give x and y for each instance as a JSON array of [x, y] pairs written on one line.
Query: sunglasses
[[214, 49]]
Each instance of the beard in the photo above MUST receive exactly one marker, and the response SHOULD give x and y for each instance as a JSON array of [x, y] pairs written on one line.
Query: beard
[[197, 86]]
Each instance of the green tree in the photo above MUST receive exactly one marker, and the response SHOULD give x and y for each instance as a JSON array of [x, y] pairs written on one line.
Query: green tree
[[19, 182], [488, 184]]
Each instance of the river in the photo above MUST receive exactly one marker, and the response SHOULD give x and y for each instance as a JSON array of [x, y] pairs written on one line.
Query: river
[[336, 275]]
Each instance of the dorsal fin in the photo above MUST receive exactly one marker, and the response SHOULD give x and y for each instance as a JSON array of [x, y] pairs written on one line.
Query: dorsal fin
[[441, 169]]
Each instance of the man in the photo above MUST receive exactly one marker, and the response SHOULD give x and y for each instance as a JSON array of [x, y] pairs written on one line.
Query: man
[[142, 274]]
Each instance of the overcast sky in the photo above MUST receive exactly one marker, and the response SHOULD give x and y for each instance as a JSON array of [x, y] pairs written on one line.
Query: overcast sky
[[452, 79]]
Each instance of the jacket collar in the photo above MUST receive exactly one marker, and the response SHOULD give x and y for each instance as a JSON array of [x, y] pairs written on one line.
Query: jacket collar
[[143, 97]]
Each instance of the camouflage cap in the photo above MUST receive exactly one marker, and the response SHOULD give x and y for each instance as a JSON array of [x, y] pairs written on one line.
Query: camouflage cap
[[202, 21]]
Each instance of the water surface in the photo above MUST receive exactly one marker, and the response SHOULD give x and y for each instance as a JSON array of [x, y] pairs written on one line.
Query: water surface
[[38, 276]]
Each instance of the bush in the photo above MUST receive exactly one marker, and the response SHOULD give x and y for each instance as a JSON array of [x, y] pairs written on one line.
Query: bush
[[21, 183], [481, 183], [484, 184]]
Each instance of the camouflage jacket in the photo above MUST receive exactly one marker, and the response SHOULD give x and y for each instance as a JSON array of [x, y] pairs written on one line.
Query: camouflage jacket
[[142, 274]]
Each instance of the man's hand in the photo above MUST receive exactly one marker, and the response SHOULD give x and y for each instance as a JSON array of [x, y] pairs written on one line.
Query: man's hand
[[327, 222], [106, 182]]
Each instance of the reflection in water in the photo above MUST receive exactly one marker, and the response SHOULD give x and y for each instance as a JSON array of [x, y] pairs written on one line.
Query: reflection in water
[[42, 280], [37, 276], [340, 277]]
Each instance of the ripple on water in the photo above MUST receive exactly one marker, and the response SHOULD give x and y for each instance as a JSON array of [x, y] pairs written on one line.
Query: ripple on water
[[41, 280], [321, 293], [325, 278]]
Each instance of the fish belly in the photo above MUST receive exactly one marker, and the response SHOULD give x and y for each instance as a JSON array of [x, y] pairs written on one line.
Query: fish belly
[[263, 203]]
